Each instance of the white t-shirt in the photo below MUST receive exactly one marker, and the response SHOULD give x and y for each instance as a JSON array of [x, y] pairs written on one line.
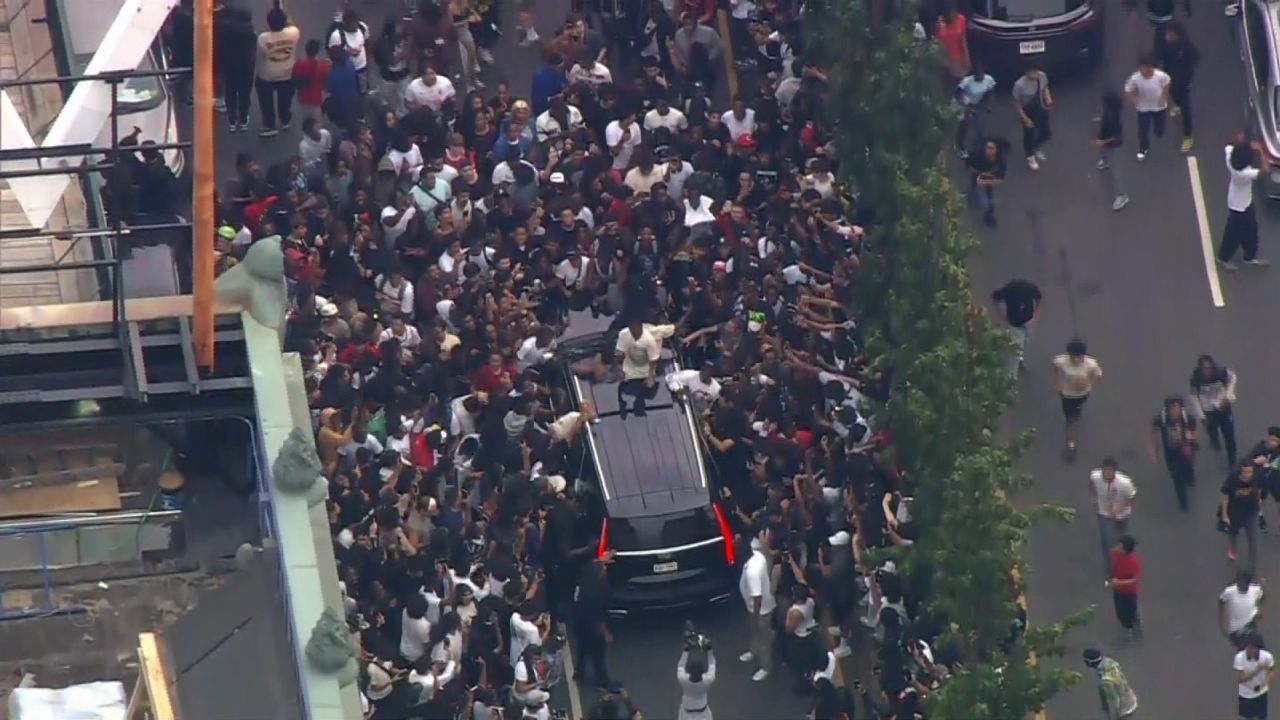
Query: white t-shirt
[[572, 277], [1240, 188], [1115, 498], [529, 354], [354, 41], [691, 380], [523, 634], [755, 584], [613, 137], [598, 75], [1255, 673], [414, 636], [315, 151], [393, 232], [408, 162], [1150, 94], [1077, 380], [420, 94], [738, 128], [674, 120], [638, 353], [1240, 607]]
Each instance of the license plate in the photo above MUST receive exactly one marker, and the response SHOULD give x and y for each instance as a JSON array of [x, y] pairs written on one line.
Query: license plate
[[1030, 47], [666, 567]]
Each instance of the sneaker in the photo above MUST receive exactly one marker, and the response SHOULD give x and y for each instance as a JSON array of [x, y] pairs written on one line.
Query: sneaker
[[1032, 163], [1231, 553], [268, 132], [1187, 144], [1174, 111], [1258, 262], [477, 83], [962, 153], [1040, 156], [1102, 165], [486, 56], [1232, 9], [1071, 446], [220, 105], [285, 126], [1262, 523], [232, 127], [1227, 265], [244, 127], [530, 37], [746, 657], [760, 675], [843, 650], [833, 631], [1142, 155], [1120, 202]]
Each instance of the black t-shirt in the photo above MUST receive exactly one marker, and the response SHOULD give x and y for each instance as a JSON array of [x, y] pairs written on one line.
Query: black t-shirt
[[1173, 432], [1020, 298], [1243, 498]]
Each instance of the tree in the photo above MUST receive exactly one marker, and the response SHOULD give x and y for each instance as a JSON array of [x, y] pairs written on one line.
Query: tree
[[945, 359]]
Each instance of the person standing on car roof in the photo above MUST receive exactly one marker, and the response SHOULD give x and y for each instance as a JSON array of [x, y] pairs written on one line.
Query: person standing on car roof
[[1213, 392], [1180, 60], [1265, 457]]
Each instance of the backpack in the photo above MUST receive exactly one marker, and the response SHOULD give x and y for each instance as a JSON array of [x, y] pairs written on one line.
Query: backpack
[[336, 26]]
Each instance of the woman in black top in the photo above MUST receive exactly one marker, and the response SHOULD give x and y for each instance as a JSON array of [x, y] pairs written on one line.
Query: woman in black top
[[987, 168], [1110, 137]]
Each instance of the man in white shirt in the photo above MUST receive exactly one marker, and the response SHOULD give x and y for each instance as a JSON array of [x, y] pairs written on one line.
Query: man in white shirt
[[664, 116], [402, 331], [1239, 608], [590, 71], [429, 91], [622, 136], [1241, 231], [396, 217], [638, 351], [1111, 493], [526, 629], [1075, 375], [351, 37], [757, 592], [430, 676], [314, 147], [741, 120], [1148, 89], [535, 349], [1255, 669], [699, 383]]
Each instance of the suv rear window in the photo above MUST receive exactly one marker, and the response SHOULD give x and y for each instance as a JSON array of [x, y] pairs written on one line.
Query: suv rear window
[[1022, 10]]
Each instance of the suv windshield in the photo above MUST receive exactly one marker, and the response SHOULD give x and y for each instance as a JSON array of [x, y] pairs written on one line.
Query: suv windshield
[[84, 25], [1023, 10]]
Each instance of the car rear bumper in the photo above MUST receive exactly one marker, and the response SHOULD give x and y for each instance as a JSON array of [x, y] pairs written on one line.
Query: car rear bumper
[[1004, 57], [702, 588]]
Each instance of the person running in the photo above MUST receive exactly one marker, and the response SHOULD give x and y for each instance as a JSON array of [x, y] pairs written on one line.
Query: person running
[[1124, 583], [1180, 60], [1175, 431], [1111, 493], [1148, 89], [1075, 375], [1118, 699], [1021, 301], [1238, 510], [973, 93], [1246, 163], [1240, 606], [1110, 138], [987, 168], [1213, 393], [1265, 457], [1032, 102], [1255, 669]]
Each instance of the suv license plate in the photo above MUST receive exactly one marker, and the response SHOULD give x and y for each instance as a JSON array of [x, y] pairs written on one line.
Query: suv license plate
[[665, 567], [1030, 47]]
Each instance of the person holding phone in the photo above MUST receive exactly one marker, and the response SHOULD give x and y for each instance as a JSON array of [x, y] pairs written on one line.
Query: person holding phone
[[1032, 103], [987, 169]]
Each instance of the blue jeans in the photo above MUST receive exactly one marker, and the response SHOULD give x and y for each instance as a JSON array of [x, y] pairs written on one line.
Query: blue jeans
[[983, 197], [973, 118]]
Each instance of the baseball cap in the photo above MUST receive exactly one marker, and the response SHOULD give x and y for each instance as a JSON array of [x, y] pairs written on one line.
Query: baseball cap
[[745, 142], [1092, 657], [719, 266], [557, 178], [840, 538]]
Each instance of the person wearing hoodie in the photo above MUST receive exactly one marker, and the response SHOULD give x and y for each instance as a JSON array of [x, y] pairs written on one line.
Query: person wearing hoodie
[[235, 49], [1180, 60]]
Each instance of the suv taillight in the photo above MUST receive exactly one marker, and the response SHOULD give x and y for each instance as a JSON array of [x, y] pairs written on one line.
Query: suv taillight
[[604, 535], [724, 533]]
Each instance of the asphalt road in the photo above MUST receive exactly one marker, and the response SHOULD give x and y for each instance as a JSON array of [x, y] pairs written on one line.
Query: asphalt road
[[645, 650], [1134, 286]]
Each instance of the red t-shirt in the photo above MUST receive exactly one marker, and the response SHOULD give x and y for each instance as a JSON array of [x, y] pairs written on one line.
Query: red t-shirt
[[1124, 566], [491, 382], [951, 37], [308, 77]]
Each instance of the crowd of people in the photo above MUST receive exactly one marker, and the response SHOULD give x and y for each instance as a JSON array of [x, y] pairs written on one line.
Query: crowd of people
[[440, 235]]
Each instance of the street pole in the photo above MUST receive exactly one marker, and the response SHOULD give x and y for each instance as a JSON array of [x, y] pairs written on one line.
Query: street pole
[[202, 187]]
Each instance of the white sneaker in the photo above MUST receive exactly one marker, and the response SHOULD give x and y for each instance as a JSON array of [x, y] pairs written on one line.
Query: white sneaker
[[220, 104], [1040, 156], [1031, 162], [1120, 202], [843, 650], [1232, 9], [1258, 262], [486, 57], [746, 657], [1142, 155], [834, 631], [1227, 265], [760, 675], [1102, 165]]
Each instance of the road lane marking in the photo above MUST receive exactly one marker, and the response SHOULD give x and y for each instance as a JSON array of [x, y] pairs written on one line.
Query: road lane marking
[[571, 678], [1206, 239]]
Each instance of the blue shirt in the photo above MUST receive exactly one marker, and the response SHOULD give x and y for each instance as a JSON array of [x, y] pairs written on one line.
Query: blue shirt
[[547, 81], [973, 90]]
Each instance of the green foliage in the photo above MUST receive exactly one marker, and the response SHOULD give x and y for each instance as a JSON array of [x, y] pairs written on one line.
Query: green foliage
[[946, 360]]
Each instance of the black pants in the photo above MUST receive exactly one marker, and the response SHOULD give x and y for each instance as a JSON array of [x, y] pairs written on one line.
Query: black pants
[[1148, 121], [592, 651], [638, 390], [1183, 472], [237, 93], [1222, 423], [1241, 231], [275, 100], [1180, 91], [1033, 138], [1126, 609]]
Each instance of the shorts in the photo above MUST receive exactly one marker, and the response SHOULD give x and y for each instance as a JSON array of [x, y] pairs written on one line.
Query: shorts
[[1072, 407], [1254, 708]]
